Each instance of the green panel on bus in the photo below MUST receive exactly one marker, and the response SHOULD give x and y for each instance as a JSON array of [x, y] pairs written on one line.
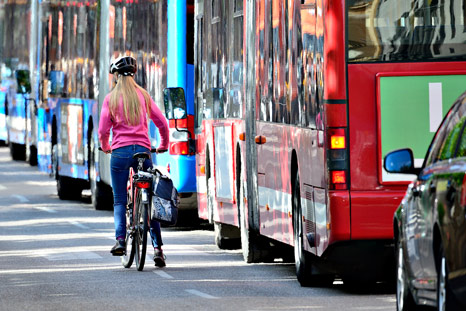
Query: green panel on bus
[[412, 107]]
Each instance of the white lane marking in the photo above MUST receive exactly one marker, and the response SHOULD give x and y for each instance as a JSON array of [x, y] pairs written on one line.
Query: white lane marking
[[79, 225], [2, 187], [164, 274], [21, 198], [45, 209], [435, 106], [71, 256], [200, 294]]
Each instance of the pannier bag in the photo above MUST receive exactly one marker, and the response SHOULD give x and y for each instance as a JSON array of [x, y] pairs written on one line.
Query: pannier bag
[[165, 200]]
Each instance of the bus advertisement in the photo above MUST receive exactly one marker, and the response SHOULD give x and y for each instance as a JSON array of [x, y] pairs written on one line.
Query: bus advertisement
[[293, 156]]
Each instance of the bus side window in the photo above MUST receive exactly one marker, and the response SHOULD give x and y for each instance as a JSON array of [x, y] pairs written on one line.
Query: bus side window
[[56, 82], [215, 106]]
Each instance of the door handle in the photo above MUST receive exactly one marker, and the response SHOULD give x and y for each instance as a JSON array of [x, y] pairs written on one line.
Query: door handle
[[260, 140]]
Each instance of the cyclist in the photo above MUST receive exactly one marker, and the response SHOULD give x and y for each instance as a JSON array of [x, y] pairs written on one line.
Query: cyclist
[[125, 111]]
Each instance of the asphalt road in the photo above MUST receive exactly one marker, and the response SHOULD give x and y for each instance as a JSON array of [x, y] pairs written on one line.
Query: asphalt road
[[54, 255]]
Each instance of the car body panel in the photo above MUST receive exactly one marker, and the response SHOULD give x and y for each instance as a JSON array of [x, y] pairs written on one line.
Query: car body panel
[[431, 218]]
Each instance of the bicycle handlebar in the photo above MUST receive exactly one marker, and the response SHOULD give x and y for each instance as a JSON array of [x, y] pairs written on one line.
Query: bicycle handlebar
[[152, 150]]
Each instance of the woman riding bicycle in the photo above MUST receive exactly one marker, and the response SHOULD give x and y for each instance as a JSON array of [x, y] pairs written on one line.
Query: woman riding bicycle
[[125, 111]]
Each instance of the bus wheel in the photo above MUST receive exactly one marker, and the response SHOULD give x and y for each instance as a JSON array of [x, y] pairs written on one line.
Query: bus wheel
[[303, 260], [17, 152], [31, 153], [252, 248], [67, 189], [226, 236]]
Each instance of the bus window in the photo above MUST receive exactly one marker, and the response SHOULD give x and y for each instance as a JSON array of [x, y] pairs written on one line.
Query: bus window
[[403, 30]]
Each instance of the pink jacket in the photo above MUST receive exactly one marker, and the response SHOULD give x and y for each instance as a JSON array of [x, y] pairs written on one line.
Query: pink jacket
[[124, 134]]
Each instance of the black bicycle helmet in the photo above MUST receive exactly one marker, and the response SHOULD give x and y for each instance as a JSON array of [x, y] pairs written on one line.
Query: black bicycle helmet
[[125, 65]]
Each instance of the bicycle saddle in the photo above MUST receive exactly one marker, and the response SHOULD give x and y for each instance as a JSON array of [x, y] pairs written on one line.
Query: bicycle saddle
[[139, 155]]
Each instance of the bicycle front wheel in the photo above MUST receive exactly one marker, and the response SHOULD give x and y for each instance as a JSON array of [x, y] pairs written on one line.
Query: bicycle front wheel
[[142, 227]]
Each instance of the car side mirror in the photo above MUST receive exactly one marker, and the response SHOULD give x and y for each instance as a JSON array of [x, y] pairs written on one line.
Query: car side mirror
[[175, 103], [400, 161]]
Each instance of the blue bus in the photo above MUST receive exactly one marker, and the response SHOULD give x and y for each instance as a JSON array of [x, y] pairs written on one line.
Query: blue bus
[[74, 80], [18, 86]]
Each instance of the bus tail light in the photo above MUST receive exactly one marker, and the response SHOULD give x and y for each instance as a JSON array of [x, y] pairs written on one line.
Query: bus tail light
[[337, 142], [182, 136], [180, 147], [338, 180], [337, 158]]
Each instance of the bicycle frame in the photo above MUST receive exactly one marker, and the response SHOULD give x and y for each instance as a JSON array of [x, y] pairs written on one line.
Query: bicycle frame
[[138, 206]]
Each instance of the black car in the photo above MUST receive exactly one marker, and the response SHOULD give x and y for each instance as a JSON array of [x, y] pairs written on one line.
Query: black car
[[430, 224]]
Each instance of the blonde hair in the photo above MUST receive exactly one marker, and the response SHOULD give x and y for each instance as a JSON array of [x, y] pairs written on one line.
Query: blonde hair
[[126, 89]]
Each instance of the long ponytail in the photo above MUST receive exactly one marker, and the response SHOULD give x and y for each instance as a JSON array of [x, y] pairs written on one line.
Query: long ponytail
[[126, 90]]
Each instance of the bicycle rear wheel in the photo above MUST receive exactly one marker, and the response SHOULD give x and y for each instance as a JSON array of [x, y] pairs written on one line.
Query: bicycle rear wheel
[[140, 234]]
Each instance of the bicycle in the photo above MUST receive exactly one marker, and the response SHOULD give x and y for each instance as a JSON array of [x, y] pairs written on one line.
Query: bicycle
[[138, 211]]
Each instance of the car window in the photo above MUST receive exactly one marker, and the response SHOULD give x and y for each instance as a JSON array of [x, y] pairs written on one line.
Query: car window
[[447, 151], [462, 145], [439, 142], [461, 149]]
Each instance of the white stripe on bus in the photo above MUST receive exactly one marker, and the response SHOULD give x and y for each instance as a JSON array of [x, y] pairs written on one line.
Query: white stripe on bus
[[435, 106]]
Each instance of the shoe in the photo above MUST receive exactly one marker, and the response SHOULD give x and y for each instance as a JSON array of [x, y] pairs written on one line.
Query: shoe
[[159, 258], [119, 249]]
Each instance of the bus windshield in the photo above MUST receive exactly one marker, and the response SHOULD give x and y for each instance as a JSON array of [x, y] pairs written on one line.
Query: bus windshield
[[406, 30]]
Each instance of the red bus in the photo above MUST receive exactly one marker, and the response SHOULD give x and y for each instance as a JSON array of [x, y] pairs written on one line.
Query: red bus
[[297, 104]]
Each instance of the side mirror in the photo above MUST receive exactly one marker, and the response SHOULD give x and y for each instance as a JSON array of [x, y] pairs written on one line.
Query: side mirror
[[56, 82], [400, 161], [175, 103], [23, 82]]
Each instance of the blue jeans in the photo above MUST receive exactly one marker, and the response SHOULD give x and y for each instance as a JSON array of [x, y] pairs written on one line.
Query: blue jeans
[[122, 160]]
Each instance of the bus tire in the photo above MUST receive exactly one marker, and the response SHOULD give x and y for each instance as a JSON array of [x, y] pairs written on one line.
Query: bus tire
[[32, 155], [303, 260], [67, 188], [250, 241], [226, 236], [101, 196], [18, 152]]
